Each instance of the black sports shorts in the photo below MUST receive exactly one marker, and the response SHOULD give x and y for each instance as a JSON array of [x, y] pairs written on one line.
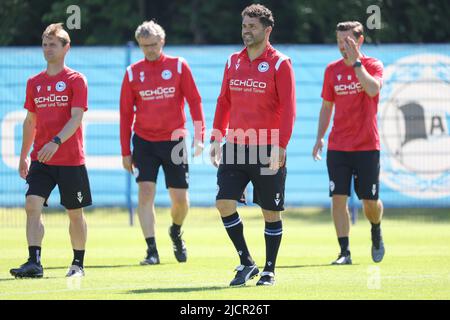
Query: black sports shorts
[[363, 166]]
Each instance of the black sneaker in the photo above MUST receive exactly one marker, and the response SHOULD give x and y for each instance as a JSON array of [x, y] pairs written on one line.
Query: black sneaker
[[152, 257], [244, 273], [343, 259], [29, 269], [179, 246], [267, 279], [377, 245]]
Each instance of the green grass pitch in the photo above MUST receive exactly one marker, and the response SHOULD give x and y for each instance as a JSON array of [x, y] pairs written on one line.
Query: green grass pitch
[[416, 265]]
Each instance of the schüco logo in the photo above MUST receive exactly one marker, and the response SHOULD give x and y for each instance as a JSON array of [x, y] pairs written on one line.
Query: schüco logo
[[157, 92], [347, 87], [414, 126], [250, 83], [51, 98]]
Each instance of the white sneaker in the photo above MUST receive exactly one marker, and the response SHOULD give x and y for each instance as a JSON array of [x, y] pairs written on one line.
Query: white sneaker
[[75, 271]]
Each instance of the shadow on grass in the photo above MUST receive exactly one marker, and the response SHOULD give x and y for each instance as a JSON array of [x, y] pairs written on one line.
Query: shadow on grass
[[111, 266], [312, 266], [20, 279], [179, 290], [323, 215]]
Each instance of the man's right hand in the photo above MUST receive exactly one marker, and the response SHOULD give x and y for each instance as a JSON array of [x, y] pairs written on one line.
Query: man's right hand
[[127, 163], [24, 165], [215, 153], [317, 150]]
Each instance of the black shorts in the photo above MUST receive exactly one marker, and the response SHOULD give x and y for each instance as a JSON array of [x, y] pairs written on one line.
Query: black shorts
[[233, 176], [148, 156], [72, 181], [364, 166]]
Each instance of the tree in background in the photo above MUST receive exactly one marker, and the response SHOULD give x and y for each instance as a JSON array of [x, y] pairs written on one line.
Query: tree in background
[[112, 22]]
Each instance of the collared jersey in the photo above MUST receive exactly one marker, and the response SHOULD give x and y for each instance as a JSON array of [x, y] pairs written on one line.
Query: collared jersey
[[257, 98], [153, 94], [355, 115], [52, 98]]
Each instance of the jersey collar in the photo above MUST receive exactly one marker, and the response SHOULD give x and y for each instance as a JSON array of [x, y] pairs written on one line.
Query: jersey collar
[[244, 54], [161, 59]]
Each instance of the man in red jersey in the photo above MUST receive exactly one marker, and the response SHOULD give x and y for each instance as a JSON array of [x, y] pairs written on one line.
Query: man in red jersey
[[157, 87], [352, 85], [56, 100], [257, 106]]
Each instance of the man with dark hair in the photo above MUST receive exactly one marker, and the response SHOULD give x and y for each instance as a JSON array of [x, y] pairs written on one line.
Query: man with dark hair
[[257, 106], [352, 85], [56, 100]]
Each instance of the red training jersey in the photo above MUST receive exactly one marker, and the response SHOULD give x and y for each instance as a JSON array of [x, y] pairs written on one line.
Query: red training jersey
[[355, 115], [158, 90], [52, 98], [257, 98]]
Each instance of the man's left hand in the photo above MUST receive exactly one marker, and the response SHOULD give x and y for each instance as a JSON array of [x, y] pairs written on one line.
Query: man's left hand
[[351, 48], [277, 157], [198, 147], [47, 152]]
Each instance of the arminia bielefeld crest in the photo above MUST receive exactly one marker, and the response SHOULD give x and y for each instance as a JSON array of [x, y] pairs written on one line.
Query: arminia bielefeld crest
[[414, 124]]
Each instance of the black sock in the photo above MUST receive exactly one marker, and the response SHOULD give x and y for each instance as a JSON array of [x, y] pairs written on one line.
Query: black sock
[[344, 244], [272, 235], [375, 226], [376, 234], [78, 258], [175, 229], [151, 243], [235, 230], [34, 254]]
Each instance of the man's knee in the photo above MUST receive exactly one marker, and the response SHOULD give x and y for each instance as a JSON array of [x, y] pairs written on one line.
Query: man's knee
[[76, 215], [271, 216], [339, 204], [226, 207], [179, 198], [147, 189], [371, 205], [180, 202], [33, 205]]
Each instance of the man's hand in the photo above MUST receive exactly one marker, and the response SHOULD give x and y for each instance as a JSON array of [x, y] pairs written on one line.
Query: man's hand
[[23, 168], [277, 157], [198, 147], [317, 150], [47, 152], [351, 48], [215, 153], [127, 163]]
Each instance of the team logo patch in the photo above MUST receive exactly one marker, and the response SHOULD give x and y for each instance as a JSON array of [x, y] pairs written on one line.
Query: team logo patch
[[166, 74], [38, 88], [374, 189], [141, 76], [263, 67], [332, 186], [79, 196], [277, 199], [60, 86]]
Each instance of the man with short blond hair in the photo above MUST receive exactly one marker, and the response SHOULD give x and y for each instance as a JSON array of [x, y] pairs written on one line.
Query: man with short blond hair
[[352, 86], [56, 100], [153, 93]]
